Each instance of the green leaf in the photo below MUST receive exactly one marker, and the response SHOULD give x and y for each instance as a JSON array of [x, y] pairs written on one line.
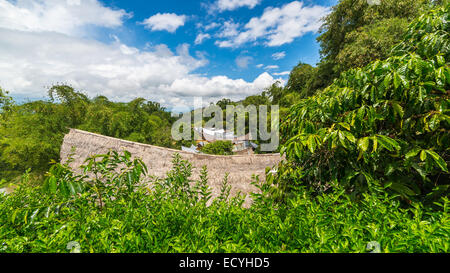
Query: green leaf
[[402, 189], [434, 122], [412, 153], [387, 80], [363, 144], [375, 143], [33, 215], [440, 60], [342, 139], [71, 188], [438, 159], [13, 216], [388, 143], [350, 137], [345, 125], [398, 109], [397, 80], [52, 184], [423, 155], [422, 93], [404, 81], [312, 144], [78, 187]]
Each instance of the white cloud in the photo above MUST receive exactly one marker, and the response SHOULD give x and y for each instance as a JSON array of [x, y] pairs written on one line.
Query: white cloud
[[278, 26], [208, 26], [30, 62], [259, 65], [223, 5], [243, 61], [35, 54], [201, 37], [165, 21], [211, 26], [59, 16], [228, 29], [279, 55], [282, 73], [220, 86], [271, 67]]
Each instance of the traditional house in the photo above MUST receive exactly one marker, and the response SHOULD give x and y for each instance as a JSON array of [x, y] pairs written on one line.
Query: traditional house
[[241, 144]]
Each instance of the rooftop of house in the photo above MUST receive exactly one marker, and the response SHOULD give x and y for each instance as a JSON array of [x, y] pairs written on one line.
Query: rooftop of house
[[213, 134]]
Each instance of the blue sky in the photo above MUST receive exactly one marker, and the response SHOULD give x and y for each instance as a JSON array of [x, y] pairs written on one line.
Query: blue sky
[[168, 51], [222, 60]]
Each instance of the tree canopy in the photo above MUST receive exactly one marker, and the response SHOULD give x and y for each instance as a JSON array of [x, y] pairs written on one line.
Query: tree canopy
[[385, 125], [31, 134], [219, 147]]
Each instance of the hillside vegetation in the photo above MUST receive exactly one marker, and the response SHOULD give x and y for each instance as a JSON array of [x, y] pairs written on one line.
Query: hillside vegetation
[[31, 134], [384, 125], [366, 166], [80, 214]]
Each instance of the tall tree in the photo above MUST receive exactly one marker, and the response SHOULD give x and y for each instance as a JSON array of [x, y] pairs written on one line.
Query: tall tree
[[301, 79], [359, 31]]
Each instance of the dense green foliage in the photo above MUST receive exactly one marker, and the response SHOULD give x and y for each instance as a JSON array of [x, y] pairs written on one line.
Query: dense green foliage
[[385, 125], [354, 34], [78, 213], [380, 131], [31, 134], [220, 147], [4, 101], [357, 32], [301, 80]]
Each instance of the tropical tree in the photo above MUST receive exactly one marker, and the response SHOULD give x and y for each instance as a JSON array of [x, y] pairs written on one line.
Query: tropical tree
[[385, 125], [301, 80], [357, 32]]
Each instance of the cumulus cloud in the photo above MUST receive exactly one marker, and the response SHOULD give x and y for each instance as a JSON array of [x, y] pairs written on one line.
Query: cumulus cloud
[[202, 37], [165, 21], [59, 16], [278, 26], [228, 29], [30, 62], [219, 86], [279, 55], [39, 51], [223, 5]]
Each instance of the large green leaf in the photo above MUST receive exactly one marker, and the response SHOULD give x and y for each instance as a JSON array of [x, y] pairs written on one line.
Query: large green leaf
[[438, 160]]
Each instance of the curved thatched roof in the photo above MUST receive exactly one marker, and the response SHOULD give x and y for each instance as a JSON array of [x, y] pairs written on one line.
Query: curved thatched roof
[[158, 159]]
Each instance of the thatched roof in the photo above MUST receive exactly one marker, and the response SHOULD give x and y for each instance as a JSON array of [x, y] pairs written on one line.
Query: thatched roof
[[159, 160]]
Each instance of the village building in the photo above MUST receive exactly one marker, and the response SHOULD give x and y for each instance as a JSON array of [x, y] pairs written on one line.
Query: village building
[[241, 144]]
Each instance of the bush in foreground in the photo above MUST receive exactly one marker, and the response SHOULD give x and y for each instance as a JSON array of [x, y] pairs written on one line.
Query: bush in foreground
[[110, 209]]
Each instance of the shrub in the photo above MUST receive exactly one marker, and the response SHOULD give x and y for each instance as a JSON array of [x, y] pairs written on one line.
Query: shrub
[[382, 126], [220, 147], [76, 213]]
